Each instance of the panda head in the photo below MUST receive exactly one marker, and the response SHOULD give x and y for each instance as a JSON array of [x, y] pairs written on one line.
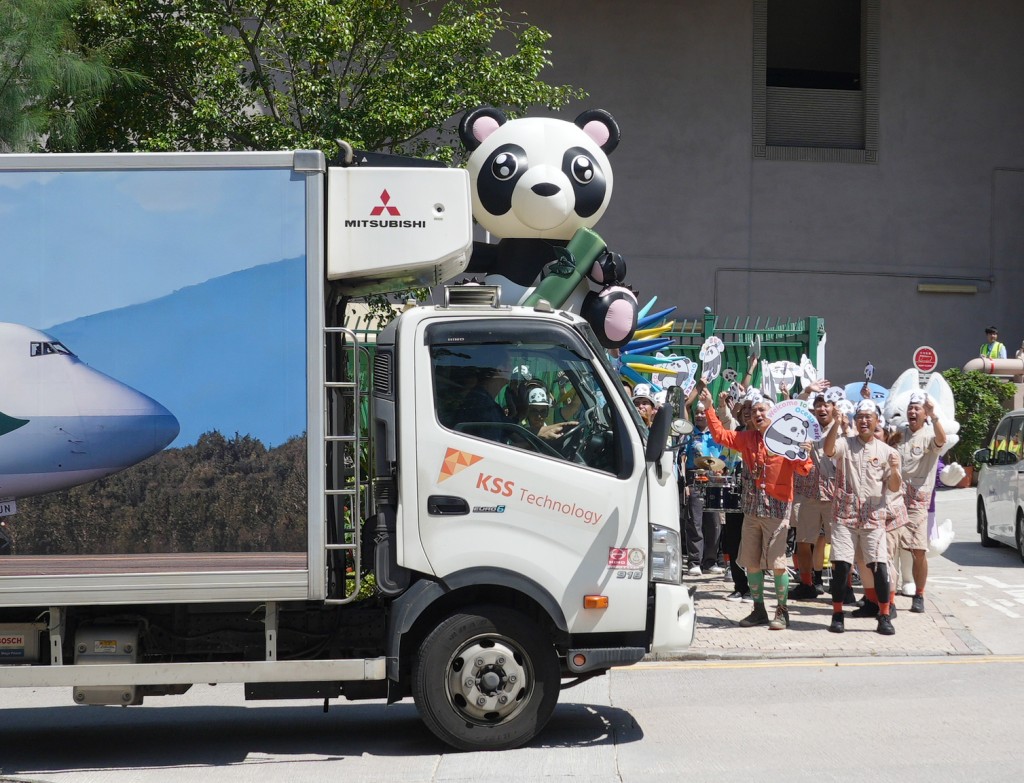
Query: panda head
[[538, 177], [785, 436]]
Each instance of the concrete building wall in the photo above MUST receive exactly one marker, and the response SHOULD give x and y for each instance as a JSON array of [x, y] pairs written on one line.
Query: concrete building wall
[[703, 223]]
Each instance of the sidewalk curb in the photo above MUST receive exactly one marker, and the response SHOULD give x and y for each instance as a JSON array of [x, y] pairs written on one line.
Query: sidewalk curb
[[776, 655]]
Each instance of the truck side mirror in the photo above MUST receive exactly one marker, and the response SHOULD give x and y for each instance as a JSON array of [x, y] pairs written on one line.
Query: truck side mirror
[[658, 435], [675, 401]]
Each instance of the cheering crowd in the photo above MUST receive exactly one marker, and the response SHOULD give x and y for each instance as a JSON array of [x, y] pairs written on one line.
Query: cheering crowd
[[862, 489]]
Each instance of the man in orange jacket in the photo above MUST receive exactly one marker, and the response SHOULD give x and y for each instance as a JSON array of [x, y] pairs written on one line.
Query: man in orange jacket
[[767, 503]]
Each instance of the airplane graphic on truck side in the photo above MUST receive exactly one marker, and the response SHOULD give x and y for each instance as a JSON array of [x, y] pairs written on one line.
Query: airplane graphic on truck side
[[62, 423]]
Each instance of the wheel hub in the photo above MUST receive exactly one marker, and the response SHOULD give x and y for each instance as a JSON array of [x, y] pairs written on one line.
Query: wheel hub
[[488, 680]]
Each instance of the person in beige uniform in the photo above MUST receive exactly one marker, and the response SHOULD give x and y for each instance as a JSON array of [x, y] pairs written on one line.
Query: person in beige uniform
[[919, 446], [895, 520], [867, 479], [813, 502]]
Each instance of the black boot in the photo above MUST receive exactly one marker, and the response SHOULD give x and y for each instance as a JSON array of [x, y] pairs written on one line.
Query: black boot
[[869, 609]]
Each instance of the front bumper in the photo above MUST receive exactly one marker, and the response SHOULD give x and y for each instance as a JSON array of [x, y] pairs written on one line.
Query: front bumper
[[675, 618]]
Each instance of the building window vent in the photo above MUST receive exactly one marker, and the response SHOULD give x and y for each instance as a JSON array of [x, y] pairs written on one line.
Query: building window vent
[[816, 80]]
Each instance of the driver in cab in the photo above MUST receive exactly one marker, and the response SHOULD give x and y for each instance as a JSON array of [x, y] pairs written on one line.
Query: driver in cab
[[538, 408]]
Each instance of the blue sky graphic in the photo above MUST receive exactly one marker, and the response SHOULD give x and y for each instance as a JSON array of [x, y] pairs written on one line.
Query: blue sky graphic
[[189, 286]]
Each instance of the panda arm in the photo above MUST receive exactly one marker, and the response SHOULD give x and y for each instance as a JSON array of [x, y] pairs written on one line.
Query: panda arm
[[484, 257]]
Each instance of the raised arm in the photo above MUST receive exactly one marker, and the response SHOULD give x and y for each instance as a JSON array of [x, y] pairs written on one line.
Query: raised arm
[[720, 434], [833, 432], [940, 432]]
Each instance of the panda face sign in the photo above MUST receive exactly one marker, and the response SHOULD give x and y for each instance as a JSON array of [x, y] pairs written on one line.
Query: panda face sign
[[538, 177], [786, 435]]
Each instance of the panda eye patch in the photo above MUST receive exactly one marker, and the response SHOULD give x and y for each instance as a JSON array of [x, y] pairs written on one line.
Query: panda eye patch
[[504, 166], [582, 169]]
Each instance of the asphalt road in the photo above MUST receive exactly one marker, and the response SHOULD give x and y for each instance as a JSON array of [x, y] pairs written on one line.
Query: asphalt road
[[906, 719], [983, 588]]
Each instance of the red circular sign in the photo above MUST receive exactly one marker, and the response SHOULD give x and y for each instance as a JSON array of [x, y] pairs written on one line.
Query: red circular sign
[[925, 359]]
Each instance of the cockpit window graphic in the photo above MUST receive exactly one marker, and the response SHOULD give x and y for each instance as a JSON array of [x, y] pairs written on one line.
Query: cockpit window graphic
[[48, 348]]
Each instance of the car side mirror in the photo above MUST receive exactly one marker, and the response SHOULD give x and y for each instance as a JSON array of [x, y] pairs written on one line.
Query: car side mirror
[[982, 456]]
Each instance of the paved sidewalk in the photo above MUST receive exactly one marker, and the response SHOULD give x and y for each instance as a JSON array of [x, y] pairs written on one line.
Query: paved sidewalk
[[719, 636], [938, 632]]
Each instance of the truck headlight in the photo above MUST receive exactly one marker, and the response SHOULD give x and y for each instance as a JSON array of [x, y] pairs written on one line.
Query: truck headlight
[[666, 556]]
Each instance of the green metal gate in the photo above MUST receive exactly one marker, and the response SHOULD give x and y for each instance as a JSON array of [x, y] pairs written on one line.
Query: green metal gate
[[781, 339]]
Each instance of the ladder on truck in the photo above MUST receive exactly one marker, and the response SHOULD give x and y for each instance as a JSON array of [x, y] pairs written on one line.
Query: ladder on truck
[[347, 458]]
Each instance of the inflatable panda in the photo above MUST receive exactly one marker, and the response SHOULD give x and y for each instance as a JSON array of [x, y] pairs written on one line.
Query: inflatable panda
[[535, 181], [942, 398]]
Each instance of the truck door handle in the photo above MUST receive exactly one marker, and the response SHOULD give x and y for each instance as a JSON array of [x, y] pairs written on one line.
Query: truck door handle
[[446, 505]]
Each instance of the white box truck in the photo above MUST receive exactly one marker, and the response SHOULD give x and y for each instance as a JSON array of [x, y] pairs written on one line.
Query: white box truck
[[206, 477]]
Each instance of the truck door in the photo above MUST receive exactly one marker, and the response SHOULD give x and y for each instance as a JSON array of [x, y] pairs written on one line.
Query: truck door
[[527, 472]]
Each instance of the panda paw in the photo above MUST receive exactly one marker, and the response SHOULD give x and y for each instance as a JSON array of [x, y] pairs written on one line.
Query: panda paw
[[609, 269], [612, 312]]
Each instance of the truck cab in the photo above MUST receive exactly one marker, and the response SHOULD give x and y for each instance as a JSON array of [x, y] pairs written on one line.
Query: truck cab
[[571, 528]]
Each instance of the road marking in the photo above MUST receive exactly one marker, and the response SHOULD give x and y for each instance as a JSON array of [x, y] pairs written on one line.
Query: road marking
[[968, 602], [1000, 608], [773, 664], [995, 582], [953, 582]]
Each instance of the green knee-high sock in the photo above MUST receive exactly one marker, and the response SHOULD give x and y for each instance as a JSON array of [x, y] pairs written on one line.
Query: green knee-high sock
[[756, 581], [782, 588]]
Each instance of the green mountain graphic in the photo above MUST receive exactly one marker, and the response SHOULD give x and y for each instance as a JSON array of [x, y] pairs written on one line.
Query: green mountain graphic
[[9, 423]]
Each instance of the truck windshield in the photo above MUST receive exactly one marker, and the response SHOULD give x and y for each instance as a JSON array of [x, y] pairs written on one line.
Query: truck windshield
[[526, 386], [588, 332]]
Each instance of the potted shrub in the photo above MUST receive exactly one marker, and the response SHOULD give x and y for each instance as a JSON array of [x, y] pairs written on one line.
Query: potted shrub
[[980, 403]]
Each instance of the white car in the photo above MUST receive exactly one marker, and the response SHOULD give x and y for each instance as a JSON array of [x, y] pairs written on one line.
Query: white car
[[1001, 485]]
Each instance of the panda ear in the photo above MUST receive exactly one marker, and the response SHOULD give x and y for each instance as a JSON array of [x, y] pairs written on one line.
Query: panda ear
[[480, 123], [601, 127]]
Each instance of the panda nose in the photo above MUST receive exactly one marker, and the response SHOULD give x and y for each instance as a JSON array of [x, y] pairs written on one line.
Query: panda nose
[[545, 189]]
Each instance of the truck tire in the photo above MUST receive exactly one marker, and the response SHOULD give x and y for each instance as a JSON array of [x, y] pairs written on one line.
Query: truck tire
[[486, 678]]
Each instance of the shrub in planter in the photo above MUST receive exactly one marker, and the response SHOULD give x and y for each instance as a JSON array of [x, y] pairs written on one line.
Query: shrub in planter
[[980, 403]]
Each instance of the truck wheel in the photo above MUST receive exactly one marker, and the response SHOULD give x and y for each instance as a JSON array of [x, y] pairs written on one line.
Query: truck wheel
[[486, 679]]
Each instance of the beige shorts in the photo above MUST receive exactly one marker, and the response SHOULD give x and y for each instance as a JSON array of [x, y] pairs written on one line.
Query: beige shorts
[[869, 542], [812, 520], [914, 534], [762, 543], [892, 541]]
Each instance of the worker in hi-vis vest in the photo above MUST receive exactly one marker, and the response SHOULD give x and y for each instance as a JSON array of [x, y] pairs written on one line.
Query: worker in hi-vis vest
[[992, 348]]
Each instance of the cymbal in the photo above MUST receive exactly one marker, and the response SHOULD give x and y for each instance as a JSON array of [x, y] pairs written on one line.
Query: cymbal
[[709, 463]]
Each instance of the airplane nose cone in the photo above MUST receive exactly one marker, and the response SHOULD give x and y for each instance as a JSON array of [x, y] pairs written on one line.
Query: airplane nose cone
[[165, 429], [124, 426]]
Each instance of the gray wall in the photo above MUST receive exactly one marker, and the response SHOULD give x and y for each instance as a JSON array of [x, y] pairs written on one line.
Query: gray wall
[[704, 224]]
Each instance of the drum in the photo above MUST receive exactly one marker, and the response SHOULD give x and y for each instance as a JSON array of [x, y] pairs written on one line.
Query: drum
[[717, 490], [734, 495]]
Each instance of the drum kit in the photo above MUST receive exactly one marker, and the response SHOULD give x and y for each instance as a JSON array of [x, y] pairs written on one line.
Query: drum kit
[[721, 491]]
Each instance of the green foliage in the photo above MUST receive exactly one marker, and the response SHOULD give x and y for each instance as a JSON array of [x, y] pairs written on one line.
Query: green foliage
[[980, 402], [384, 75], [218, 495], [49, 83]]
